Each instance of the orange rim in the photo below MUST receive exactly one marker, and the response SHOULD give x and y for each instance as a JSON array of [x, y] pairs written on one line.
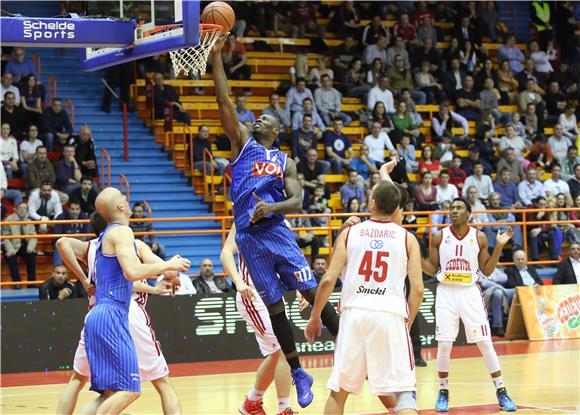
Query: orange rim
[[208, 27], [203, 28]]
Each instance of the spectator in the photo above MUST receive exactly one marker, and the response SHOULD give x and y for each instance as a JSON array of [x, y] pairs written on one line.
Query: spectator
[[530, 72], [457, 175], [429, 164], [507, 189], [207, 282], [484, 142], [304, 17], [39, 170], [25, 248], [343, 56], [329, 102], [234, 58], [401, 78], [85, 195], [20, 67], [375, 71], [555, 102], [404, 126], [513, 141], [540, 235], [531, 188], [506, 83], [443, 123], [531, 123], [145, 226], [296, 96], [407, 153], [55, 125], [374, 31], [468, 57], [353, 81], [541, 16], [313, 169], [405, 29], [494, 203], [497, 299], [31, 99], [353, 188], [569, 268], [399, 48], [85, 154], [305, 191], [44, 204], [28, 147], [467, 164], [319, 266], [13, 115], [305, 239], [426, 31], [512, 54], [446, 191], [558, 142], [243, 113], [489, 98], [568, 82], [276, 111], [7, 86], [72, 213], [488, 20], [8, 151], [376, 51], [303, 139], [569, 163], [364, 164], [300, 67], [521, 274], [346, 19], [486, 72], [453, 79], [120, 76], [468, 101], [464, 32], [540, 59], [379, 114], [308, 108], [377, 141], [568, 122], [321, 69], [426, 83], [475, 202], [381, 93], [529, 96], [574, 182], [14, 195], [68, 172], [426, 194], [482, 182], [319, 205], [453, 51], [202, 143], [570, 231], [166, 97], [337, 145]]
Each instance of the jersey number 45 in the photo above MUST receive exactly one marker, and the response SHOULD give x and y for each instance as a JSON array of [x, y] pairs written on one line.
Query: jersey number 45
[[374, 265]]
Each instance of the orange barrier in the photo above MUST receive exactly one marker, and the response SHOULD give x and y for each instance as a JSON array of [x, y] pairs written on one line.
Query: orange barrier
[[105, 156], [50, 90], [69, 105], [123, 179]]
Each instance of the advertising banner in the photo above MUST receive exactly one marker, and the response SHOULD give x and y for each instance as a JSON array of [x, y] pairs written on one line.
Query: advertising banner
[[550, 311]]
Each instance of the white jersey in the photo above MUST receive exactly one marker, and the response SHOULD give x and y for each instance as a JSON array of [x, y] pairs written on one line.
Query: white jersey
[[376, 267], [458, 258]]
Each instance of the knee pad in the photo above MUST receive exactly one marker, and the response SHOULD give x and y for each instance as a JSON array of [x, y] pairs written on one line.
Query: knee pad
[[444, 356], [406, 400], [489, 355]]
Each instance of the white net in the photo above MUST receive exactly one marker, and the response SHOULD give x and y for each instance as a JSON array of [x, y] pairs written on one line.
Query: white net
[[194, 58]]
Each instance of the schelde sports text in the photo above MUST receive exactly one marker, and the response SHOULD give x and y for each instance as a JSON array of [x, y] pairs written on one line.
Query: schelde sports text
[[36, 30]]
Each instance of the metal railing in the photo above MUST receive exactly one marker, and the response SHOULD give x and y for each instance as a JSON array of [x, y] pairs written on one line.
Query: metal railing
[[51, 90], [70, 106], [127, 188], [105, 156]]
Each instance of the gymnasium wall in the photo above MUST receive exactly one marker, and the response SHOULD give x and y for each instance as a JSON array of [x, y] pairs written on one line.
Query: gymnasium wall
[[43, 335]]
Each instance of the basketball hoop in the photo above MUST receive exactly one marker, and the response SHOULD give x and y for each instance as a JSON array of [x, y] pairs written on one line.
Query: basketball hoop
[[195, 58]]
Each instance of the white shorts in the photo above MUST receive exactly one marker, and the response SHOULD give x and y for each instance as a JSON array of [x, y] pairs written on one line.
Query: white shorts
[[256, 315], [374, 345], [152, 364], [452, 303]]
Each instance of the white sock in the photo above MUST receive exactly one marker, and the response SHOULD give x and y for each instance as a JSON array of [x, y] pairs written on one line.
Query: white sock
[[256, 395], [283, 403], [443, 383], [498, 382]]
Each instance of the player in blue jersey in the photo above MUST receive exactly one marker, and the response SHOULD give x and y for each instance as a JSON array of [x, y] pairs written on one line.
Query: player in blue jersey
[[109, 346], [264, 188]]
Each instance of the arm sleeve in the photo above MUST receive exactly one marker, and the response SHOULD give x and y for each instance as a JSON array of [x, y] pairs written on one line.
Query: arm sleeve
[[461, 120], [437, 126]]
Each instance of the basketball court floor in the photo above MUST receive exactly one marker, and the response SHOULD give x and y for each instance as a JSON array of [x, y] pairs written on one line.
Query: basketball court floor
[[542, 378]]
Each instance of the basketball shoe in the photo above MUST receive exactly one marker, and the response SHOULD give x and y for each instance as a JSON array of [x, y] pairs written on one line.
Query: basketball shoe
[[505, 402], [442, 404], [288, 411], [303, 382], [252, 408]]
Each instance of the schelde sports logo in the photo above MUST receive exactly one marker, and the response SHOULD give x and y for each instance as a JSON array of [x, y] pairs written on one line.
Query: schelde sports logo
[[38, 30]]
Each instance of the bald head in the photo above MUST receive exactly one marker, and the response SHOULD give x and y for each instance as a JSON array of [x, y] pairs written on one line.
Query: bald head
[[112, 205]]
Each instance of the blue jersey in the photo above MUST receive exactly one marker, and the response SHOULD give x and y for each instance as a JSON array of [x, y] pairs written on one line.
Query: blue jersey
[[261, 171]]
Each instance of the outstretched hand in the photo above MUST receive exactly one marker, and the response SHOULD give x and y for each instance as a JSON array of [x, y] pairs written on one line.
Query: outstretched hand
[[219, 44], [503, 238], [261, 210]]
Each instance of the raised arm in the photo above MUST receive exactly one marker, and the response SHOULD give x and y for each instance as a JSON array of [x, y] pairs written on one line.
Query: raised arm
[[236, 132], [488, 263], [431, 265], [415, 277]]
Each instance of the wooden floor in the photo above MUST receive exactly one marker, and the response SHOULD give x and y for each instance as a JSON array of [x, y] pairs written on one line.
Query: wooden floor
[[542, 377]]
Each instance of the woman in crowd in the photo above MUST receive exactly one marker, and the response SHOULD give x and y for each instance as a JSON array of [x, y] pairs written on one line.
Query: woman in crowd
[[321, 69], [507, 83], [404, 126], [376, 69], [426, 193], [354, 81], [426, 82], [379, 114], [31, 100], [568, 121], [427, 163]]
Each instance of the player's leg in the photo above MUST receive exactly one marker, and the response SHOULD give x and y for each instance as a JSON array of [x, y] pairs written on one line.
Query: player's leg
[[264, 377], [283, 384], [329, 316], [169, 400], [117, 402], [335, 403], [68, 398], [91, 407], [474, 317]]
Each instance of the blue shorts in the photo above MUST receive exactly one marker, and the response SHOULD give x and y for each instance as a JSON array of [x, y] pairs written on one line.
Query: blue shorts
[[275, 262], [110, 350]]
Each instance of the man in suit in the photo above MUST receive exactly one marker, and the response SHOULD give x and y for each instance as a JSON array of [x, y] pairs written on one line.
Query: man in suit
[[207, 283], [521, 274], [569, 269]]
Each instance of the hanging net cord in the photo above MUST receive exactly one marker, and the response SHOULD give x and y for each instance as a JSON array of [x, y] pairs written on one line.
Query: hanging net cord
[[194, 58]]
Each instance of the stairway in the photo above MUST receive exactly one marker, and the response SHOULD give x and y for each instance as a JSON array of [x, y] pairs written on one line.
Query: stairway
[[152, 176], [516, 16]]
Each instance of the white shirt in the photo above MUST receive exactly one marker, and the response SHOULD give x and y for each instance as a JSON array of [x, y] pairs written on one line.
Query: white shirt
[[446, 194], [378, 144], [483, 184], [29, 147], [517, 143], [527, 278], [576, 267], [186, 287], [53, 205], [8, 149], [386, 97], [559, 146], [13, 89], [556, 187], [3, 179], [569, 124]]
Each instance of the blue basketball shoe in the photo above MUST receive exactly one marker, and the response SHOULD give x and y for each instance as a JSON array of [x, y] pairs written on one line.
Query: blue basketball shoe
[[505, 402], [442, 404], [303, 382]]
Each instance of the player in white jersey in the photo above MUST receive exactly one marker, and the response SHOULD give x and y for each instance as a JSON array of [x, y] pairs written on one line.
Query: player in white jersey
[[152, 364], [459, 254], [253, 310], [373, 343]]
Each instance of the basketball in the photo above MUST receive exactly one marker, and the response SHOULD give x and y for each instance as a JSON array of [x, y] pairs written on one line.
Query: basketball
[[219, 13]]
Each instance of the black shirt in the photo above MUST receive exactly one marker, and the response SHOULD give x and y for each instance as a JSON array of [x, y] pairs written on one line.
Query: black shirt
[[84, 151], [56, 122], [302, 141], [310, 175], [168, 94], [88, 203], [552, 99], [16, 120], [49, 290]]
